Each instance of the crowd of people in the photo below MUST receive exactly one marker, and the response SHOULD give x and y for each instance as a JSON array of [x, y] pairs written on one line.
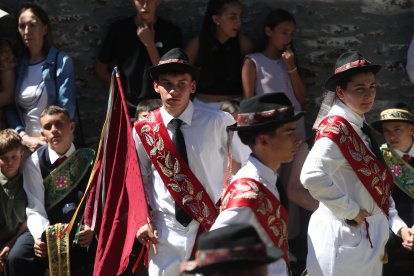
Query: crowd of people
[[223, 152]]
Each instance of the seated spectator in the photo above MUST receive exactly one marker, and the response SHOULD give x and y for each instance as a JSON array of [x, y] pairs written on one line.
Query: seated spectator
[[218, 51], [45, 77], [54, 178], [135, 44], [13, 200], [7, 64], [234, 250], [146, 106]]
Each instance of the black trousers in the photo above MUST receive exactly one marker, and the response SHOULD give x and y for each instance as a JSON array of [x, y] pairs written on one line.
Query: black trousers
[[22, 260]]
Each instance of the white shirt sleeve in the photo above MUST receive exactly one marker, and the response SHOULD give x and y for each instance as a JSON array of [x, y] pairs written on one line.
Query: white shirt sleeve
[[37, 219], [319, 167], [410, 61], [395, 222]]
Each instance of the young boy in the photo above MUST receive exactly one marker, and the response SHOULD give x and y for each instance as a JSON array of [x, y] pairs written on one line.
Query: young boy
[[397, 126], [182, 149], [135, 44], [54, 178], [267, 124], [13, 200], [146, 106], [345, 173]]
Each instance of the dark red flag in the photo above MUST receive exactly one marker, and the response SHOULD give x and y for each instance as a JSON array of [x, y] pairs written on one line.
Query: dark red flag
[[116, 206]]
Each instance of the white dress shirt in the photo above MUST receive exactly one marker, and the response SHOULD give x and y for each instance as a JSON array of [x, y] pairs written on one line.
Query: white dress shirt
[[37, 219], [410, 152], [260, 172], [205, 137], [331, 180]]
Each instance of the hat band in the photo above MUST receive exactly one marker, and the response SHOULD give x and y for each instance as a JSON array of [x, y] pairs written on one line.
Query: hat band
[[173, 60], [247, 119], [354, 64], [396, 114], [212, 256]]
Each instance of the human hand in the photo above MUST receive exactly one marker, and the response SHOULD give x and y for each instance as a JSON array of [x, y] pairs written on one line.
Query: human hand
[[85, 236], [32, 142], [360, 218], [40, 248], [288, 56], [145, 234], [407, 235], [146, 34], [4, 253]]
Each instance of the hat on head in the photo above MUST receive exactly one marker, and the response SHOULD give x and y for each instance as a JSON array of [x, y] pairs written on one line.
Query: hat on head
[[349, 63], [174, 61], [235, 246], [399, 113], [265, 110]]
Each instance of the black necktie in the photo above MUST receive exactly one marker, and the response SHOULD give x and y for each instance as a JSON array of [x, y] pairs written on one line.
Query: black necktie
[[179, 142], [374, 146], [284, 200]]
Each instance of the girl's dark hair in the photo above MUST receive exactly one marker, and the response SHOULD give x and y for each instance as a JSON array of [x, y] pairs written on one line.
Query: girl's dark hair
[[40, 13], [209, 28], [274, 18]]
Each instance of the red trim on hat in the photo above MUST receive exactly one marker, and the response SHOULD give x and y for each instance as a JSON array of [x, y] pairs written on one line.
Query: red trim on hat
[[173, 60], [358, 63], [247, 119]]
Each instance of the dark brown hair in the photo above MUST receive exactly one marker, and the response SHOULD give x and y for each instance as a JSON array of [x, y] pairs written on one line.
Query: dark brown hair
[[9, 140]]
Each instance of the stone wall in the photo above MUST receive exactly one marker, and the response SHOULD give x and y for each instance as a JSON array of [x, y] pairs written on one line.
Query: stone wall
[[380, 29]]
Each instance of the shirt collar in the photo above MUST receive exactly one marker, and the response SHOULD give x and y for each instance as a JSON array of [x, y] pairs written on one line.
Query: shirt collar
[[264, 171], [186, 116], [343, 110], [53, 155], [410, 152]]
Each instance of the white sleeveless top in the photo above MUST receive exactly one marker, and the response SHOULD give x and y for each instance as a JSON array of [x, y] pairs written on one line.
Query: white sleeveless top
[[272, 76]]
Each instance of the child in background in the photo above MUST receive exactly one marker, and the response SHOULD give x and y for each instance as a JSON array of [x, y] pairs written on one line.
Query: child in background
[[274, 69], [218, 51], [146, 106], [13, 200]]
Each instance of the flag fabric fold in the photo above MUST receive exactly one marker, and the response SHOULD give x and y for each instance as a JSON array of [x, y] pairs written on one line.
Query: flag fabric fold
[[116, 206]]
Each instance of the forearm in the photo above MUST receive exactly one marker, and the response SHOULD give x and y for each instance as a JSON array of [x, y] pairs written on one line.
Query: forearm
[[152, 53], [302, 197], [298, 86]]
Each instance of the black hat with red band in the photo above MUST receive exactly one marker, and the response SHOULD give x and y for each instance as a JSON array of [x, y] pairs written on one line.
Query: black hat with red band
[[347, 64]]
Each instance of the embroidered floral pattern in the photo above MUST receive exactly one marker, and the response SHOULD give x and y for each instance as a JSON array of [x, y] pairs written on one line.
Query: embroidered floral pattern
[[245, 192], [363, 161], [179, 181], [402, 172], [61, 182]]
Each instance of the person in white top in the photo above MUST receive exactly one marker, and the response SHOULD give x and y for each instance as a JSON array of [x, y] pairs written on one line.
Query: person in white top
[[267, 124], [169, 182], [344, 172], [397, 125]]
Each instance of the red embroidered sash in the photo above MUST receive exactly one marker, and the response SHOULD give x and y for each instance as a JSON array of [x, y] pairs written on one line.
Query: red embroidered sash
[[272, 216], [182, 184], [370, 171]]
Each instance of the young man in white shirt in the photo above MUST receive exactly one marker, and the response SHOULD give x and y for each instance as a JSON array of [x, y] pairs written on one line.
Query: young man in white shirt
[[267, 124], [183, 183], [344, 171]]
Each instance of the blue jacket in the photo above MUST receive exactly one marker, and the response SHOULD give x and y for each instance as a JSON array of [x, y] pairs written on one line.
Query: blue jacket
[[65, 82]]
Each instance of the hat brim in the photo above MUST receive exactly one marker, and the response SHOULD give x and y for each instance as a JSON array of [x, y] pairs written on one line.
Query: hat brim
[[269, 123], [377, 125], [332, 81], [173, 67]]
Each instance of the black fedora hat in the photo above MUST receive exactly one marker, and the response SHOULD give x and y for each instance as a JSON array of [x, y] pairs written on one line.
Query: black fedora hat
[[349, 63], [400, 112], [235, 246], [265, 110], [174, 61]]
